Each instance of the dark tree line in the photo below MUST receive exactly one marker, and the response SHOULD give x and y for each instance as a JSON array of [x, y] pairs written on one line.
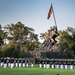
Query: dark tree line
[[67, 42], [21, 39]]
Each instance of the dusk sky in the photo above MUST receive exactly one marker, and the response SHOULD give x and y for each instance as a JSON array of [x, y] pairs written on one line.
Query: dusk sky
[[33, 13]]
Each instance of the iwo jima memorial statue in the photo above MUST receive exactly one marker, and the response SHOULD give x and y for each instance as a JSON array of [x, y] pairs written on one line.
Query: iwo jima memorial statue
[[49, 48]]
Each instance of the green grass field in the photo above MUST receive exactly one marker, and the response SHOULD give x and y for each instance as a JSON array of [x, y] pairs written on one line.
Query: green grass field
[[34, 71]]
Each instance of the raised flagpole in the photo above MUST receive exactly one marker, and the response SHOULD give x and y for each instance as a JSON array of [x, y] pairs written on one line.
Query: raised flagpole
[[54, 15], [51, 10]]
